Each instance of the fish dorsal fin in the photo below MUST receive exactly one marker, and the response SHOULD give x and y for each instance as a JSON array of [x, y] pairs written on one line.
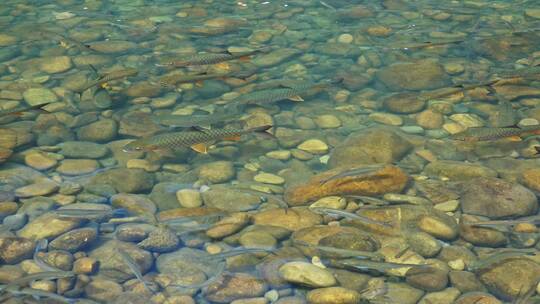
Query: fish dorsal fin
[[201, 148], [198, 129]]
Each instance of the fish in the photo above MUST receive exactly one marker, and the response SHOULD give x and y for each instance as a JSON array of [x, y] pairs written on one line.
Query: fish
[[38, 293], [197, 139], [343, 253], [348, 215], [376, 287], [364, 265], [134, 267], [486, 133], [42, 245], [356, 172], [210, 58], [89, 213], [369, 200], [187, 121], [535, 219], [220, 268], [277, 94], [198, 79], [45, 275], [114, 75], [235, 252], [20, 110]]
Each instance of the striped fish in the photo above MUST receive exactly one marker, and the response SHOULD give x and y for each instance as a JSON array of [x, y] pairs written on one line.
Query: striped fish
[[486, 133], [272, 95], [106, 78], [197, 139], [210, 58]]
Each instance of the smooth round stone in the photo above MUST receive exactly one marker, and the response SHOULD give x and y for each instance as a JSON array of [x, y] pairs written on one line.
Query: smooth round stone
[[37, 189], [453, 68], [453, 127], [56, 64], [429, 119], [142, 164], [37, 96], [6, 40], [314, 146], [307, 274], [386, 118], [217, 172], [333, 295], [80, 149], [345, 38], [445, 229], [189, 198], [113, 46], [433, 279], [269, 178], [39, 161], [103, 130], [528, 122], [77, 166], [257, 239], [412, 129], [327, 122], [334, 202], [467, 120], [448, 206], [279, 154]]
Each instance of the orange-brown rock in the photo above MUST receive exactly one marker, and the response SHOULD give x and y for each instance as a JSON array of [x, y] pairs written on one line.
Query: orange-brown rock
[[384, 180]]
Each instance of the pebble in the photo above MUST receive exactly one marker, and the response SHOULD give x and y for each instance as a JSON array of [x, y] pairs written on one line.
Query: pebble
[[442, 226], [257, 239], [77, 166], [48, 226], [386, 118], [269, 178], [82, 149], [453, 127], [217, 172], [430, 119], [431, 279], [334, 202], [15, 249], [467, 120], [314, 146], [448, 206], [454, 68], [279, 154], [307, 274], [38, 189], [345, 38], [189, 198], [85, 265], [333, 295], [74, 240], [235, 286], [39, 160], [160, 240], [144, 164], [37, 96], [327, 121], [56, 64]]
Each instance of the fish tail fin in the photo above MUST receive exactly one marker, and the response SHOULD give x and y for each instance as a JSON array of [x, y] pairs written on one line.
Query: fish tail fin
[[263, 49], [263, 131]]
